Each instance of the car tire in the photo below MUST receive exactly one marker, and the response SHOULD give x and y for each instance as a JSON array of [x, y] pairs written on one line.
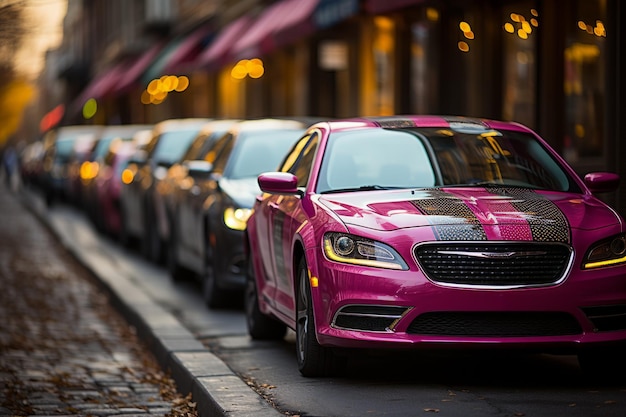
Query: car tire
[[260, 326], [314, 360], [176, 271], [214, 296]]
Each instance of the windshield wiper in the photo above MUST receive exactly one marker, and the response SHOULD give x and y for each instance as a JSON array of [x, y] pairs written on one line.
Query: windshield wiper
[[490, 184], [361, 188]]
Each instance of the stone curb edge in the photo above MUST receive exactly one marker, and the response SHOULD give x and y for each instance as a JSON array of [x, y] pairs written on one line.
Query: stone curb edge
[[216, 389]]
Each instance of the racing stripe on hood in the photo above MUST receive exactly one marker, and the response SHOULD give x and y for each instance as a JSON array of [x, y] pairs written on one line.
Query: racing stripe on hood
[[440, 203], [536, 206], [537, 219]]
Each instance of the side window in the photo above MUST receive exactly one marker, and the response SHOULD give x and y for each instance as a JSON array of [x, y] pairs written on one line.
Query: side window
[[217, 147], [223, 153], [300, 159]]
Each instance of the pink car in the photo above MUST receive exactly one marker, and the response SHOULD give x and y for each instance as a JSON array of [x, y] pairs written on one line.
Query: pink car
[[427, 231]]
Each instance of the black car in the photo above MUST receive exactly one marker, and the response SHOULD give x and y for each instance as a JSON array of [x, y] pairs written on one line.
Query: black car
[[210, 216]]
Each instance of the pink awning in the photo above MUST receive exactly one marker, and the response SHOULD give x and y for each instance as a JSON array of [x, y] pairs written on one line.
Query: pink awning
[[385, 6], [136, 68], [215, 55], [188, 49], [279, 25]]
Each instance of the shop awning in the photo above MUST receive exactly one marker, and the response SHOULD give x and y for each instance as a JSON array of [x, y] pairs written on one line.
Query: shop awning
[[136, 68], [215, 55], [296, 24], [330, 12], [101, 86], [386, 6], [188, 49], [257, 39]]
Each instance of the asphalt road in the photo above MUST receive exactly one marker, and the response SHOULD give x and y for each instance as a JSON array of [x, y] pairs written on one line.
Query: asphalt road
[[459, 383]]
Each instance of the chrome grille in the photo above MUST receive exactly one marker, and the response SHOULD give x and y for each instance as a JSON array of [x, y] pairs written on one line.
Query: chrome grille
[[496, 264]]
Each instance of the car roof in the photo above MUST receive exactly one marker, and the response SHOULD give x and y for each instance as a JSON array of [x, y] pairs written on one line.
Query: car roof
[[435, 121]]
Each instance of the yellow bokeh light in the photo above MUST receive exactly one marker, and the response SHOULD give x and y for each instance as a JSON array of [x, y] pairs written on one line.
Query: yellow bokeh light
[[145, 97], [534, 22], [183, 83], [432, 14], [463, 46], [515, 17], [509, 28], [469, 34], [522, 34], [465, 27], [90, 108], [127, 176], [526, 27], [153, 87], [582, 25], [534, 12]]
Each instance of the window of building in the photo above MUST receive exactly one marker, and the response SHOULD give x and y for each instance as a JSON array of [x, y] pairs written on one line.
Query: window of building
[[585, 64], [424, 58], [520, 22]]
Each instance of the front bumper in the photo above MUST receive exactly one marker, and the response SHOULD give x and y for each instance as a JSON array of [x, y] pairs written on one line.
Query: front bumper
[[376, 308]]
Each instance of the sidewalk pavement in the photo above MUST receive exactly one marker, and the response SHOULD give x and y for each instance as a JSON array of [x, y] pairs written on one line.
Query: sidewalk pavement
[[91, 352]]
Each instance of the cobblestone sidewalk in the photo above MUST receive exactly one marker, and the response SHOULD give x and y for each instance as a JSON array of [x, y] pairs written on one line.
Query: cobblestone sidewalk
[[63, 349]]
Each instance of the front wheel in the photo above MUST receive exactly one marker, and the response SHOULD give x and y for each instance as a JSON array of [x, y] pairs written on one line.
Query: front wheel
[[260, 326], [313, 358]]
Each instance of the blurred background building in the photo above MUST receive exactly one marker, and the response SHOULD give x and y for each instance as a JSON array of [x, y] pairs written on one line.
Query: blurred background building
[[553, 65]]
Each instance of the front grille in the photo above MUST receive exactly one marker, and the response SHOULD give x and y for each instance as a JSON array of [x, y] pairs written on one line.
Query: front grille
[[607, 318], [368, 317], [494, 264], [495, 324]]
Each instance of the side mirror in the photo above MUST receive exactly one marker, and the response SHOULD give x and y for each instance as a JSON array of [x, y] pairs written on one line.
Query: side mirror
[[198, 168], [602, 182], [278, 183]]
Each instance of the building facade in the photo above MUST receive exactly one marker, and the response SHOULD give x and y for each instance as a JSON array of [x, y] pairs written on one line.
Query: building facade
[[554, 65]]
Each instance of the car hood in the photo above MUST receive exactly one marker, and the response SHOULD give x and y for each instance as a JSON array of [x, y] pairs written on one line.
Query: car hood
[[474, 213], [242, 191]]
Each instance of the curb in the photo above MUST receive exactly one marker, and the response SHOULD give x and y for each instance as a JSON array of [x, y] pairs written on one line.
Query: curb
[[214, 387]]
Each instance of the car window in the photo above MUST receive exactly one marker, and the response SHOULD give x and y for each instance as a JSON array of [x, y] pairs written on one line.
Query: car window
[[376, 157], [300, 158], [259, 151], [499, 157], [173, 144]]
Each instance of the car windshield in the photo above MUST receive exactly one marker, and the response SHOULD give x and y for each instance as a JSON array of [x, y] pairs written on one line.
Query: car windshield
[[173, 145], [435, 157], [259, 151]]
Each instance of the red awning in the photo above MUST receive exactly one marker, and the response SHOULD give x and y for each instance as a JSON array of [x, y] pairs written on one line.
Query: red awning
[[215, 55], [188, 49], [279, 25], [101, 86], [385, 6], [297, 24], [136, 68]]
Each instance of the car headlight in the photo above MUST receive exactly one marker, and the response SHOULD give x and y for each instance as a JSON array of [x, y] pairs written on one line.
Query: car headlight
[[608, 252], [355, 250], [236, 219]]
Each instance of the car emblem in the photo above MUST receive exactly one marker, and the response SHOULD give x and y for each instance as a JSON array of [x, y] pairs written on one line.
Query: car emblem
[[492, 255]]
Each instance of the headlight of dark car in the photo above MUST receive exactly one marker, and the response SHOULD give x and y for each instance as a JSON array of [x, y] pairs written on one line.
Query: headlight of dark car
[[355, 250], [236, 218], [607, 252]]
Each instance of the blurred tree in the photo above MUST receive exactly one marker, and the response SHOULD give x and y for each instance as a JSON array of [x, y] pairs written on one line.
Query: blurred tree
[[14, 93]]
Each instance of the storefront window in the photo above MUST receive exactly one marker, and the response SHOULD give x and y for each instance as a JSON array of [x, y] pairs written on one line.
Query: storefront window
[[520, 23], [585, 61], [384, 63], [424, 59]]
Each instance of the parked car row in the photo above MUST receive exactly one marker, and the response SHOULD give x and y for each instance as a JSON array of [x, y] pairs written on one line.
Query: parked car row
[[375, 233], [179, 191]]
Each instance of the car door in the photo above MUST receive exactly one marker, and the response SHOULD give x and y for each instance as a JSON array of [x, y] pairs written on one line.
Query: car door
[[284, 217]]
